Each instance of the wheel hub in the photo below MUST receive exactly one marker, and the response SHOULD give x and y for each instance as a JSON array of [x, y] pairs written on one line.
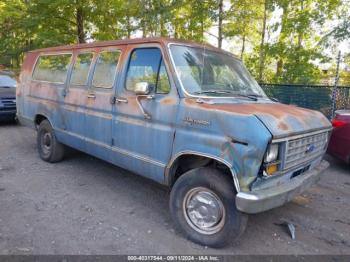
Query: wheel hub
[[204, 211], [47, 139], [46, 142]]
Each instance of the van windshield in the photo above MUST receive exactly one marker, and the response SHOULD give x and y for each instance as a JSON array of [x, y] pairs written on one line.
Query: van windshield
[[210, 73]]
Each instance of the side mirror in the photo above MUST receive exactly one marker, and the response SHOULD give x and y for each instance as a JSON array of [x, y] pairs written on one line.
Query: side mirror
[[142, 88]]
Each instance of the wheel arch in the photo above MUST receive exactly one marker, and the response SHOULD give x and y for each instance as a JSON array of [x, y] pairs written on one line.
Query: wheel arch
[[197, 158], [39, 117]]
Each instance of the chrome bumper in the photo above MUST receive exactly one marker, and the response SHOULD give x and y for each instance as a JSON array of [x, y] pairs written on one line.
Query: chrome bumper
[[265, 199]]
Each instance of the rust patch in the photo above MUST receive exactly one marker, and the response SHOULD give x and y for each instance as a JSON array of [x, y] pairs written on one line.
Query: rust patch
[[275, 110], [168, 101], [131, 109], [283, 126], [134, 41]]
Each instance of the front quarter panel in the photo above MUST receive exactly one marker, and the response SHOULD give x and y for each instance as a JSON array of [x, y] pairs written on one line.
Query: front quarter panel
[[237, 140]]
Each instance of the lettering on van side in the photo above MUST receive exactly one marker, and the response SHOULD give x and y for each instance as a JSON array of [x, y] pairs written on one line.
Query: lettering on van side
[[191, 121]]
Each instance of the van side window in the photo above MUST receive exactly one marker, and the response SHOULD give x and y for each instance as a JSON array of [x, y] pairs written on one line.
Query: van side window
[[146, 65], [106, 69], [81, 69], [52, 68]]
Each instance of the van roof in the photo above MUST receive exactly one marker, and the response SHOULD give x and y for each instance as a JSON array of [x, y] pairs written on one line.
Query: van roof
[[160, 40]]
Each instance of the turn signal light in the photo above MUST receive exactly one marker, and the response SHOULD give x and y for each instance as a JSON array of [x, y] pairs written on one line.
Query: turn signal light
[[338, 123], [271, 169]]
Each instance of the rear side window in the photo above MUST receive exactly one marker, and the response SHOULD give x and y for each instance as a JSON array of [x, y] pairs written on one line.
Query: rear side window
[[106, 69], [146, 65], [52, 68], [81, 69]]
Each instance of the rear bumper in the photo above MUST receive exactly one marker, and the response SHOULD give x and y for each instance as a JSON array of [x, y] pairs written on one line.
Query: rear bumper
[[265, 199]]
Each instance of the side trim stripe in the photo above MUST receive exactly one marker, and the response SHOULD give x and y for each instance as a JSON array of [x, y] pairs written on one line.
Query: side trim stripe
[[115, 149]]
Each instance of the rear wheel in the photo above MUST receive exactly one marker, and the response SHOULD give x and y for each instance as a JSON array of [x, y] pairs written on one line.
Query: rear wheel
[[49, 148], [202, 203]]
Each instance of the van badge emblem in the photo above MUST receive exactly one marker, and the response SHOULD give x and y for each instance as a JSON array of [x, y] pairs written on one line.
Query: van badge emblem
[[191, 121], [310, 148]]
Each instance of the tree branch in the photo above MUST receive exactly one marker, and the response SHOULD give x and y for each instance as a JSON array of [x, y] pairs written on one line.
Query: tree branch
[[211, 34]]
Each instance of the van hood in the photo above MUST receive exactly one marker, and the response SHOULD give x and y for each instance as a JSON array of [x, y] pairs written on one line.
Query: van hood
[[280, 119], [7, 91]]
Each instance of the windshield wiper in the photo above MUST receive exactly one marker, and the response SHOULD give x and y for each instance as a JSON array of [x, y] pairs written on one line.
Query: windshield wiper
[[250, 96], [231, 92], [212, 92]]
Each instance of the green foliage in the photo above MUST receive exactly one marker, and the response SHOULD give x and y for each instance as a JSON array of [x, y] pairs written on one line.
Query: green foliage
[[293, 53], [13, 33], [243, 22], [280, 50]]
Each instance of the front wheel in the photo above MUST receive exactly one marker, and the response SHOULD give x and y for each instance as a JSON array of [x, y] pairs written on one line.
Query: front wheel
[[202, 203], [49, 148]]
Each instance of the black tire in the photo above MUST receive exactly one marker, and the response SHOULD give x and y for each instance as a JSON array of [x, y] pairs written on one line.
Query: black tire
[[50, 150], [233, 223]]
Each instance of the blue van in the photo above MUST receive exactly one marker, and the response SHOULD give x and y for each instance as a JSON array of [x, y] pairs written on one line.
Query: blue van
[[186, 115]]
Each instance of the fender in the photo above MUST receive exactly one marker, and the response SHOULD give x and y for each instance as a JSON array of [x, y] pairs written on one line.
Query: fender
[[167, 178]]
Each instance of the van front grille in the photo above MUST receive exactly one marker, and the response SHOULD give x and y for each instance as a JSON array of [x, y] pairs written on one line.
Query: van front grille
[[302, 150]]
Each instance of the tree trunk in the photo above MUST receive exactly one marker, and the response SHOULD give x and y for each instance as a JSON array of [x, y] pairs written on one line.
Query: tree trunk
[[128, 28], [80, 25], [202, 28], [300, 33], [262, 44], [220, 24], [282, 35], [279, 67], [143, 28], [202, 17], [163, 31], [176, 34], [243, 46]]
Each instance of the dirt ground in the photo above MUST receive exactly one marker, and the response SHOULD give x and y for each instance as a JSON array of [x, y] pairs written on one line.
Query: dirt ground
[[86, 206]]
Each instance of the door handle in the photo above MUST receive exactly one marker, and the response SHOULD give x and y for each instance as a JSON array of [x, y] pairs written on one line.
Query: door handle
[[121, 100], [92, 96]]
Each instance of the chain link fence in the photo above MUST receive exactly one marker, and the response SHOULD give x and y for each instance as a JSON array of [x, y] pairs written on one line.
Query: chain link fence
[[310, 96]]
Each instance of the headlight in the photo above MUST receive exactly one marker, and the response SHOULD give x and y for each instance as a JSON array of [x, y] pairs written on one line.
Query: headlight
[[271, 153]]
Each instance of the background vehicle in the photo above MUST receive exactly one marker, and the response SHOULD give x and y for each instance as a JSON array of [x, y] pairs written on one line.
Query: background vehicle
[[185, 115], [339, 144], [7, 98]]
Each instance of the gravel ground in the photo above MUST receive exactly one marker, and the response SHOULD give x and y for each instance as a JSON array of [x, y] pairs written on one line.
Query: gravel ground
[[86, 206]]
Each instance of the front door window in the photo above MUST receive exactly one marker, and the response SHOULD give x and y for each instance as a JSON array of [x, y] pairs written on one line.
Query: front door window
[[146, 65]]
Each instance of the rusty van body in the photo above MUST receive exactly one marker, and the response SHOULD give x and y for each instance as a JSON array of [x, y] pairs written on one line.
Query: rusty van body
[[186, 115]]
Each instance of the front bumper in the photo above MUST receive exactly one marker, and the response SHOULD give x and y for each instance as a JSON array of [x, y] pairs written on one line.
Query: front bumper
[[265, 199], [7, 114]]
